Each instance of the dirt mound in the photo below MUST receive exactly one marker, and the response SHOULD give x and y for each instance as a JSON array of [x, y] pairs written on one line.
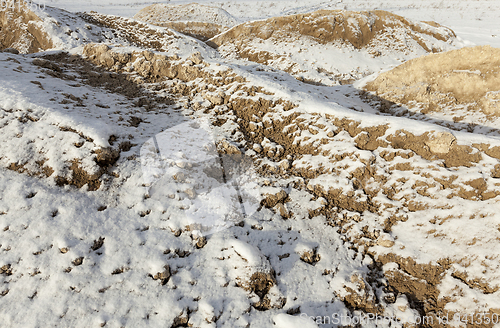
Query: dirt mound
[[359, 29], [199, 21], [29, 29], [309, 46], [146, 36], [159, 13], [20, 28], [467, 79]]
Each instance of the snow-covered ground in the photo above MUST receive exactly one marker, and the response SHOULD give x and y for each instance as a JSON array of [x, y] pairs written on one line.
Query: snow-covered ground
[[474, 21], [175, 187]]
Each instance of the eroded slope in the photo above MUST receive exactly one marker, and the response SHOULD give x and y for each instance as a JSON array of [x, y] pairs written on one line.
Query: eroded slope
[[374, 182], [21, 29], [360, 213], [200, 21], [331, 46]]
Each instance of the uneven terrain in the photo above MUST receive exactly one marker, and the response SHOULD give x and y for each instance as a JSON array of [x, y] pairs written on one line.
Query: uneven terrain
[[327, 46], [151, 178], [200, 21]]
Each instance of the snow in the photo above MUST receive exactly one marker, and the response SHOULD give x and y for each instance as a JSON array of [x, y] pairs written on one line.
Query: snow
[[142, 213], [177, 159], [287, 321], [186, 13], [56, 218]]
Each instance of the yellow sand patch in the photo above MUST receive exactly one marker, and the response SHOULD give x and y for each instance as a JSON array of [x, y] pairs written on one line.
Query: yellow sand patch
[[20, 29], [468, 76]]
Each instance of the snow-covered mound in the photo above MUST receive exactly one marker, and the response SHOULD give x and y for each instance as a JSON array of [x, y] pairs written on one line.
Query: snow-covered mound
[[36, 30], [328, 46], [147, 36], [126, 166], [30, 29], [459, 85], [193, 12], [199, 21], [49, 118]]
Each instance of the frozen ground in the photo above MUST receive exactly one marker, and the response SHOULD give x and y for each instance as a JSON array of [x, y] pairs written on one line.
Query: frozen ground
[[320, 203], [474, 21]]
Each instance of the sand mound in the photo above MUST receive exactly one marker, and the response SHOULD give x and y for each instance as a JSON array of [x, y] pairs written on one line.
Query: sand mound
[[311, 46], [130, 31], [461, 80], [199, 21], [20, 28], [159, 13], [31, 29], [56, 29]]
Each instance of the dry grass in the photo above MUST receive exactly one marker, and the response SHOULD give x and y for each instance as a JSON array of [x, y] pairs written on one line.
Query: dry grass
[[468, 76]]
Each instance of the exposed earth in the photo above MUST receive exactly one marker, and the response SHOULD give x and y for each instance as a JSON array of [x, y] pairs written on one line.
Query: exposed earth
[[197, 166]]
